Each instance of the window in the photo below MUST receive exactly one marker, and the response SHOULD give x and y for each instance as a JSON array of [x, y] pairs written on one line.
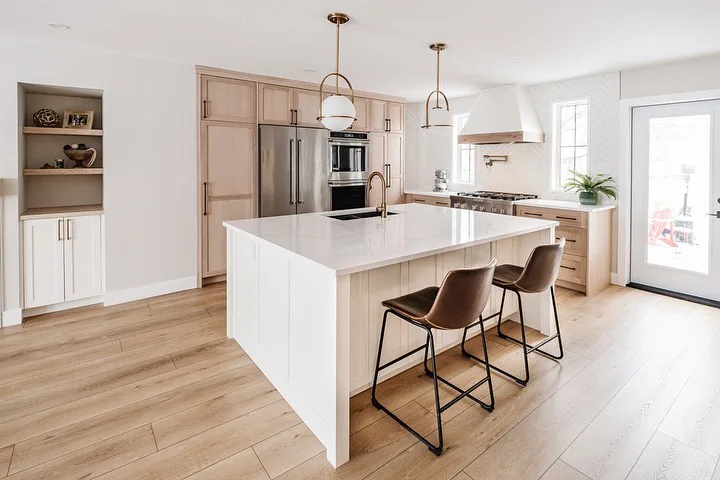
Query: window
[[570, 141], [463, 154]]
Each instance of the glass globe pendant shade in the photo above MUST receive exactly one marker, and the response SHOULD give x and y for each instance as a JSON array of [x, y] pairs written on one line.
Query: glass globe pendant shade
[[338, 113], [439, 117]]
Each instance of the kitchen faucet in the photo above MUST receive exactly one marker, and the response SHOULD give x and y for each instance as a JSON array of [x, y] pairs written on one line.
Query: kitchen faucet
[[383, 202]]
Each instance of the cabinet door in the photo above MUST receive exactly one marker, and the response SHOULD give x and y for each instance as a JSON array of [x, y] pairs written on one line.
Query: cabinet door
[[394, 154], [229, 100], [43, 262], [395, 194], [377, 116], [229, 190], [307, 106], [215, 235], [395, 116], [83, 257], [376, 162], [275, 105], [362, 106]]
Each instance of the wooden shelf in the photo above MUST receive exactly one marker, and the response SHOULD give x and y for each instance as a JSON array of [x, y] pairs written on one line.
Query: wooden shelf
[[63, 131], [63, 171], [54, 212]]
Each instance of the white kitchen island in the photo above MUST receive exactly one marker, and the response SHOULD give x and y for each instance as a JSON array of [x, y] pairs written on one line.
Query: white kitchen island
[[304, 294]]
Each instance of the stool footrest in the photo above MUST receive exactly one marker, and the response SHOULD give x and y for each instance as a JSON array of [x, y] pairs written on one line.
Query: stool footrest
[[536, 348]]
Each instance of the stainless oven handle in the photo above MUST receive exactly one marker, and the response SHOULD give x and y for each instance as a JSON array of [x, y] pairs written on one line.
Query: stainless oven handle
[[292, 194], [297, 172]]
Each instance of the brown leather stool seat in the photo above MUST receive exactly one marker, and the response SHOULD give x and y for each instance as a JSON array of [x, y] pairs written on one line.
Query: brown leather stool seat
[[457, 303], [415, 305], [537, 276]]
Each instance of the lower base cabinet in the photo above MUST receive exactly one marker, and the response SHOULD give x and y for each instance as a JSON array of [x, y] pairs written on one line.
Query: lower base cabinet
[[62, 259]]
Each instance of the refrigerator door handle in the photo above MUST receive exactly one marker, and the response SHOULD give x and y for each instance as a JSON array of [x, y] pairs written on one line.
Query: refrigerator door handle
[[297, 172], [292, 193]]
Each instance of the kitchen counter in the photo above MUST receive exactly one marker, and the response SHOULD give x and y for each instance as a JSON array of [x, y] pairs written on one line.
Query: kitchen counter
[[305, 296], [347, 247], [564, 205], [430, 193]]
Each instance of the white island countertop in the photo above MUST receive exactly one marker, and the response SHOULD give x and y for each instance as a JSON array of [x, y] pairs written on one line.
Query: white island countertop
[[357, 245]]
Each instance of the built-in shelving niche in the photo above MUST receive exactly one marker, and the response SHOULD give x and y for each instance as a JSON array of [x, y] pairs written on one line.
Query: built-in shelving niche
[[54, 189]]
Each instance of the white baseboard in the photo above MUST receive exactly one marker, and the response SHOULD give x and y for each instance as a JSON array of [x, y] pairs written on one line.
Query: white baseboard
[[12, 317], [614, 279], [152, 290], [59, 307]]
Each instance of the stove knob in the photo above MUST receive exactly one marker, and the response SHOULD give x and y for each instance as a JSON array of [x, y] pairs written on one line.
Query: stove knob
[[502, 210], [494, 210]]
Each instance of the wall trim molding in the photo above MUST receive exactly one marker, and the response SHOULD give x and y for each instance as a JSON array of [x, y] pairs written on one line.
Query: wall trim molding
[[614, 279], [151, 290], [11, 318]]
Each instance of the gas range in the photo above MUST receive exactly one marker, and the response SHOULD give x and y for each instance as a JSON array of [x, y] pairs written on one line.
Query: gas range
[[491, 202]]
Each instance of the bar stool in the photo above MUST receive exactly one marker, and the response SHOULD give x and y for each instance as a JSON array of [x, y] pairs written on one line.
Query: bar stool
[[538, 275], [457, 303]]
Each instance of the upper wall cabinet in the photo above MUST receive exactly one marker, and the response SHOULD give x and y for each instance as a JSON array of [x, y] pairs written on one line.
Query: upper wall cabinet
[[289, 106], [362, 111], [385, 116], [228, 100]]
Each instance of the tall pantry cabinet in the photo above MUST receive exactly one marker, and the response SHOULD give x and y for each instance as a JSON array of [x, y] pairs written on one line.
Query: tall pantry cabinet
[[228, 163]]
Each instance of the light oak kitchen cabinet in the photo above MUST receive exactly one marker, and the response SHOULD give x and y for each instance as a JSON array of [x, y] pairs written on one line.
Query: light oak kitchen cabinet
[[386, 116], [362, 112], [437, 201], [62, 259], [386, 156], [280, 105], [229, 176], [586, 263], [228, 100]]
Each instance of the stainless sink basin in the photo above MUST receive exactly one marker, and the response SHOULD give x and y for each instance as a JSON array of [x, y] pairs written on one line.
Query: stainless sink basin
[[357, 216]]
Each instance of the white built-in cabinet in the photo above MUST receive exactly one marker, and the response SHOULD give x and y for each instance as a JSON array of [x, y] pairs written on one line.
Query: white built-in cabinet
[[62, 259]]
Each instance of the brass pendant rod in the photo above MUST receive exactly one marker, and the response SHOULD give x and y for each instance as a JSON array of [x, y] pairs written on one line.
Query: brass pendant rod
[[437, 84], [337, 59]]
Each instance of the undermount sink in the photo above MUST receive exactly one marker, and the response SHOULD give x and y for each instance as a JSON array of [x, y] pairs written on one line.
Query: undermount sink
[[358, 216]]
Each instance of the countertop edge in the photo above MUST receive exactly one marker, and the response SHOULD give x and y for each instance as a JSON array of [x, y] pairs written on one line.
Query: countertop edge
[[546, 203], [403, 258]]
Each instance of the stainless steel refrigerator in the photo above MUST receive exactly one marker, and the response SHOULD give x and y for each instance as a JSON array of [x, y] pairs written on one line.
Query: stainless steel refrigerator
[[294, 170]]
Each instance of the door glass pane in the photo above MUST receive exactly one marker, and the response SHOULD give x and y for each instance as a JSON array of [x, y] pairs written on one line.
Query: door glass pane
[[678, 193]]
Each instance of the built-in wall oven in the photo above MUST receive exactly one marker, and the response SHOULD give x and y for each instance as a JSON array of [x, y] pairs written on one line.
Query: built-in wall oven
[[348, 169], [348, 157]]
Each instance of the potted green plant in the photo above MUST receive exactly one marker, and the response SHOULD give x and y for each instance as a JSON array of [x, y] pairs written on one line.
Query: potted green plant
[[589, 187]]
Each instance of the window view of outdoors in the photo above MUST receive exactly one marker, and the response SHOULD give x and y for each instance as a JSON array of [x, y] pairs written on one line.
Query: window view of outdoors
[[678, 193], [571, 139]]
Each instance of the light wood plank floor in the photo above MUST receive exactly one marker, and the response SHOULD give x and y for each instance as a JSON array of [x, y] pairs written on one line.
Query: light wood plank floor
[[153, 389]]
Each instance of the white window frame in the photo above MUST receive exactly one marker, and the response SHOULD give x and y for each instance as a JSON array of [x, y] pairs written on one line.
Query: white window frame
[[456, 155], [555, 159]]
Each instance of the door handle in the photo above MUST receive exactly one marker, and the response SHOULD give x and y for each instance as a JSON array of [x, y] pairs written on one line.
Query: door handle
[[205, 109], [68, 232], [59, 230], [205, 198], [297, 172], [292, 196], [388, 173], [716, 214]]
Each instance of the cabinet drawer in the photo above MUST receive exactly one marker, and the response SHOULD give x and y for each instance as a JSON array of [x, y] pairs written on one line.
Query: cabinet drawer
[[439, 201], [567, 218], [575, 240], [572, 269]]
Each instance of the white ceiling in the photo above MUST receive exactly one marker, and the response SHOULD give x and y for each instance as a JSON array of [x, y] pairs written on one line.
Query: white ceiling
[[385, 45]]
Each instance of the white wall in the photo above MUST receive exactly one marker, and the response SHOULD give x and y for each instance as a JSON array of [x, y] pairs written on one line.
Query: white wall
[[149, 159], [692, 75]]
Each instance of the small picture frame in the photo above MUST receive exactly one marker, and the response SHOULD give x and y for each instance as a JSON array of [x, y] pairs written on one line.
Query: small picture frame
[[78, 119]]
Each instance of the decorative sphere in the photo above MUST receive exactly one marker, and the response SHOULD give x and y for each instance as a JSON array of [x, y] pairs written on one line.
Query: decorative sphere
[[46, 117], [439, 117], [339, 113]]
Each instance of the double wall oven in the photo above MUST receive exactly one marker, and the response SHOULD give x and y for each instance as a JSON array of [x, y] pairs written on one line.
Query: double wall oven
[[348, 169]]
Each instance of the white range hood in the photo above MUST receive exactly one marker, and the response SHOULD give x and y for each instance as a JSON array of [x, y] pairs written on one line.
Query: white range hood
[[502, 115]]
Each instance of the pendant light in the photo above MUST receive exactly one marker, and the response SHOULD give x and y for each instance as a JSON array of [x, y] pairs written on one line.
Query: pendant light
[[437, 116], [337, 112]]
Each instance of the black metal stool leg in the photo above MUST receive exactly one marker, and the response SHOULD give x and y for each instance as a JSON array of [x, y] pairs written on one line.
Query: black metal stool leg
[[427, 345], [502, 305], [524, 344], [487, 366], [436, 450], [375, 403]]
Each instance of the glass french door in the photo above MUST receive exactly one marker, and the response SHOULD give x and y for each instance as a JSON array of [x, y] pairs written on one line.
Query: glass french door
[[675, 242]]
